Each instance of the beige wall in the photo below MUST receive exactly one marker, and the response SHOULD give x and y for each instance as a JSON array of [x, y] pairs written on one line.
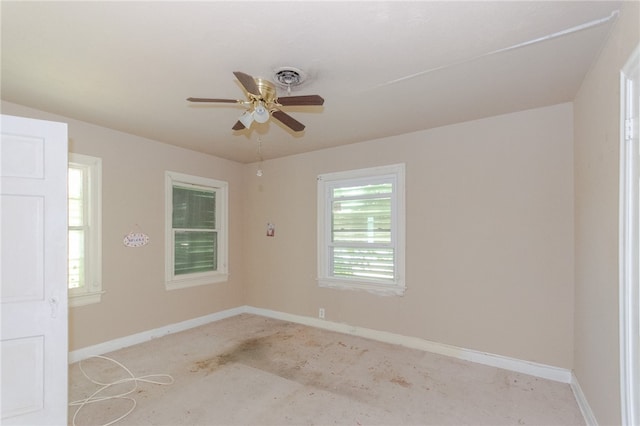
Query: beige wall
[[133, 196], [596, 151], [489, 236]]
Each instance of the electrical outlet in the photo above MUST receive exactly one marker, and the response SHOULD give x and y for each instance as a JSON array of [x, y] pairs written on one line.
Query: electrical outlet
[[321, 313]]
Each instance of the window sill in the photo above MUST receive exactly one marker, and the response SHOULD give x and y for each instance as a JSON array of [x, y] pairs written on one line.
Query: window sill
[[374, 288], [85, 299], [178, 284]]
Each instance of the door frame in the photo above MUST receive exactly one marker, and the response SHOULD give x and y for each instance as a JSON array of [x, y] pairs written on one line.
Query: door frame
[[630, 242]]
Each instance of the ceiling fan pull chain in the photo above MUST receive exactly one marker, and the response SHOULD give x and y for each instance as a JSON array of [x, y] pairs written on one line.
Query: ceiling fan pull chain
[[259, 172]]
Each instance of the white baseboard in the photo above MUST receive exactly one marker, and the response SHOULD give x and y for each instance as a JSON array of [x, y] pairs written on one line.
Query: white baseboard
[[534, 369], [589, 417], [134, 339], [526, 367]]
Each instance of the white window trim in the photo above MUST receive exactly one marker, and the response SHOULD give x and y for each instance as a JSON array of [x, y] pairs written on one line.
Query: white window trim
[[173, 282], [325, 181], [92, 292]]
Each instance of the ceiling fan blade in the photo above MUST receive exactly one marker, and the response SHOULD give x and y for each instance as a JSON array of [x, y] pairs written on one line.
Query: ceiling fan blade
[[247, 82], [238, 126], [227, 101], [288, 120], [301, 100]]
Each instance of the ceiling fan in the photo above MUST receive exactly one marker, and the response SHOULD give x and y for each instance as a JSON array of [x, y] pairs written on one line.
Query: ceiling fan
[[263, 103]]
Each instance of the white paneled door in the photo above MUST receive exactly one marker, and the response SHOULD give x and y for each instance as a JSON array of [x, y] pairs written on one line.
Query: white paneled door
[[33, 271]]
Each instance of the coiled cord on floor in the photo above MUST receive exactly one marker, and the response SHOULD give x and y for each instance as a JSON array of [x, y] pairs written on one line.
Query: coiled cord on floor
[[156, 379]]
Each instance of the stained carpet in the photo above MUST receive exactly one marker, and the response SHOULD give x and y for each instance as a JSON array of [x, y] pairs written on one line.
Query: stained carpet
[[251, 370]]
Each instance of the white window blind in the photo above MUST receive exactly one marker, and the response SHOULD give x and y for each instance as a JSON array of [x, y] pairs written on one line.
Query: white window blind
[[361, 232], [78, 226], [194, 228]]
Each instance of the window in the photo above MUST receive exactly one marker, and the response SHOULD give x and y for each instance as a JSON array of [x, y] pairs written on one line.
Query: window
[[361, 229], [196, 234], [85, 250]]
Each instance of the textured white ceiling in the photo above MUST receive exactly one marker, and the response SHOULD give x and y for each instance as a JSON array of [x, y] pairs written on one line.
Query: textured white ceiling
[[384, 68]]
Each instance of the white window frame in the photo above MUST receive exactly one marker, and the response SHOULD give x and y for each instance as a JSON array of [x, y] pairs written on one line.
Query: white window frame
[[174, 282], [92, 291], [328, 181]]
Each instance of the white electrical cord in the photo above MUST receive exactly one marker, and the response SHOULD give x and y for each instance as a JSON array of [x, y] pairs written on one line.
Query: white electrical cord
[[166, 379]]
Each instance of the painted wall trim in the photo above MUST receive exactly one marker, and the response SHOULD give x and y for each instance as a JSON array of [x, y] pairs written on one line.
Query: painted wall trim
[[526, 367], [581, 399], [145, 336], [512, 364]]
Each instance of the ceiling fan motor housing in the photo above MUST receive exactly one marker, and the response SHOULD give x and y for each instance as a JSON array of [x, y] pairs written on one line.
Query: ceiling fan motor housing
[[267, 91]]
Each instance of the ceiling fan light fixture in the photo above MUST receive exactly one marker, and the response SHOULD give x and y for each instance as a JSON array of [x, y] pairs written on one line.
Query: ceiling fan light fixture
[[246, 119], [260, 113]]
